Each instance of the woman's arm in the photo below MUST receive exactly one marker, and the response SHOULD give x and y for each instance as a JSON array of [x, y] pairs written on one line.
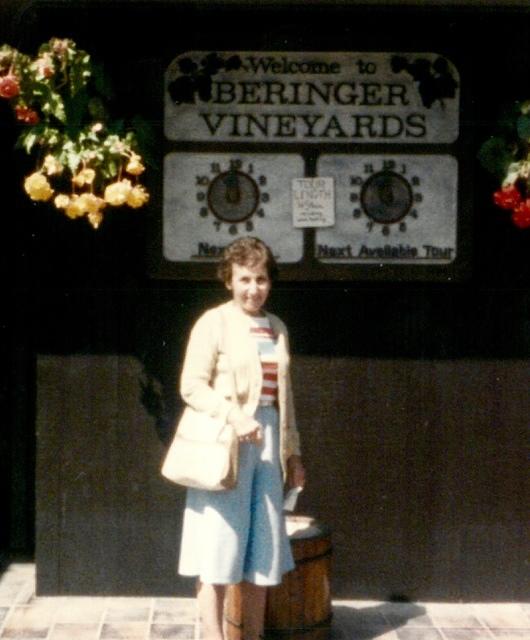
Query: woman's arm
[[195, 381], [295, 468], [199, 365]]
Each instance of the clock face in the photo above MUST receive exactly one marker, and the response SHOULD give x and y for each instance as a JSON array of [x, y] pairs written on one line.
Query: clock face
[[211, 199], [386, 196], [233, 196], [398, 208]]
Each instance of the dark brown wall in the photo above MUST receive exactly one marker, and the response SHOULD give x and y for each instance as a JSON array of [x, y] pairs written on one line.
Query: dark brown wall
[[417, 465], [412, 398]]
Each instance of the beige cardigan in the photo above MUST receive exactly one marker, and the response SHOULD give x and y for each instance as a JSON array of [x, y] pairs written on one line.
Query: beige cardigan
[[220, 355]]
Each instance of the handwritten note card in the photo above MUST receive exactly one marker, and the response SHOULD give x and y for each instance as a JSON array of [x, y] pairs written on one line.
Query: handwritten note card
[[313, 202]]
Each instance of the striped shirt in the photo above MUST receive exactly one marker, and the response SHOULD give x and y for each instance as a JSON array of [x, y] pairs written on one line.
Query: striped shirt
[[261, 332]]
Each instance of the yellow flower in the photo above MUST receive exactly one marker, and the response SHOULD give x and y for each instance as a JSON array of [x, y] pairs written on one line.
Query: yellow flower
[[85, 176], [95, 218], [61, 201], [137, 197], [91, 203], [52, 166], [116, 193], [75, 208], [37, 187], [134, 166]]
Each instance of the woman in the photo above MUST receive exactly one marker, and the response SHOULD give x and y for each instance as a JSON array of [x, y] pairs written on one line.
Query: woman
[[237, 368]]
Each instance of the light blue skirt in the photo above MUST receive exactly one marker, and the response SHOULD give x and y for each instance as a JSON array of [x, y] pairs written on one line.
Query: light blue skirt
[[230, 536]]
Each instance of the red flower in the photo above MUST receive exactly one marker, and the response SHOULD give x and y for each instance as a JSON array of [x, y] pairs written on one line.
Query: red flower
[[521, 215], [26, 115], [507, 197], [9, 86]]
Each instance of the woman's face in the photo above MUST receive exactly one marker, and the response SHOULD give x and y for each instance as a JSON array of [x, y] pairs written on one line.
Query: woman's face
[[250, 286]]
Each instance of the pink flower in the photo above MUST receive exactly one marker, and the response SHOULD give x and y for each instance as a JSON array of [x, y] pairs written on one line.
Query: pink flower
[[9, 86], [26, 115], [507, 197], [521, 215]]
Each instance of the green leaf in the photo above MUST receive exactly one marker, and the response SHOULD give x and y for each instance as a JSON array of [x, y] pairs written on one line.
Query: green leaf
[[110, 168], [27, 140], [76, 109], [73, 160], [53, 104], [80, 71], [495, 156], [523, 127]]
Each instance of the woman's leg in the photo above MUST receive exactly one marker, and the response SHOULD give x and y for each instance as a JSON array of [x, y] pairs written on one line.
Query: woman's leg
[[211, 600], [254, 598]]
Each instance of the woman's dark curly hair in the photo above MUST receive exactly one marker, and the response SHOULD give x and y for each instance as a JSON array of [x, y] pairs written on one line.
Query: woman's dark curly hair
[[247, 252]]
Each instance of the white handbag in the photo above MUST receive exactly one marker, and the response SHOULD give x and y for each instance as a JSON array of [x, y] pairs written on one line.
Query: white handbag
[[203, 454]]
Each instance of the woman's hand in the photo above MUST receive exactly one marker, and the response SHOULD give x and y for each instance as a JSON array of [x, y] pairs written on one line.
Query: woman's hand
[[295, 472], [248, 429]]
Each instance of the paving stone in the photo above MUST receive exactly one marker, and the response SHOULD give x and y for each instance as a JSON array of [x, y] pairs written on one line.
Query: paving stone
[[466, 634], [133, 614], [497, 616], [26, 634], [127, 631], [81, 610], [397, 619], [72, 631], [175, 610], [418, 633], [172, 631], [511, 634], [457, 619]]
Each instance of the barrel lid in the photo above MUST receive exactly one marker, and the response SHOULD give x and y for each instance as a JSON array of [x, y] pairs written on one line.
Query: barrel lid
[[299, 527]]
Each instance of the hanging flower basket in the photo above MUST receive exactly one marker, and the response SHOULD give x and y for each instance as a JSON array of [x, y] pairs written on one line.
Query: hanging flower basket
[[507, 156], [85, 163]]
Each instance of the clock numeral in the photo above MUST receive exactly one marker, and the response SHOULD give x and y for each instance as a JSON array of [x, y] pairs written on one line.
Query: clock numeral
[[202, 181], [356, 181], [250, 168], [217, 225], [403, 169], [201, 196], [260, 213], [265, 197], [370, 225], [418, 197], [233, 229], [402, 226], [354, 197], [203, 212], [356, 213], [389, 165], [249, 225], [385, 230], [413, 214], [262, 180], [369, 168], [215, 167], [415, 181], [235, 164]]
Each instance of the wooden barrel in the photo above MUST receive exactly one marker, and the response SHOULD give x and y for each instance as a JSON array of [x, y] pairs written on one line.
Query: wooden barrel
[[300, 607]]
